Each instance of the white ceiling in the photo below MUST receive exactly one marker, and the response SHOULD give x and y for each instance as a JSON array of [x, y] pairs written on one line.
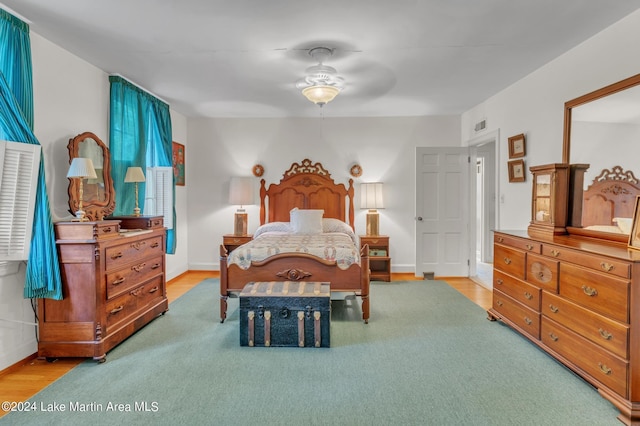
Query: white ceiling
[[242, 58]]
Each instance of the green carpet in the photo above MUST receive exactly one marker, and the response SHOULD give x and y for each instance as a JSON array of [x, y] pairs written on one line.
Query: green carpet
[[428, 356]]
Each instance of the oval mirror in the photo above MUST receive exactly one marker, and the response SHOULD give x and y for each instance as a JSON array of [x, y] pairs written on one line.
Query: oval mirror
[[98, 199]]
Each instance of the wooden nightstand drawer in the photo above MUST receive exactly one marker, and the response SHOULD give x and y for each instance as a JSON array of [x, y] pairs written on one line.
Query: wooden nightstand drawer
[[379, 257], [232, 242]]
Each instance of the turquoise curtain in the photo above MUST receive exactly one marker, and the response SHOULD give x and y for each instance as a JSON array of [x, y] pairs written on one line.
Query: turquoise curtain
[[43, 279], [140, 135]]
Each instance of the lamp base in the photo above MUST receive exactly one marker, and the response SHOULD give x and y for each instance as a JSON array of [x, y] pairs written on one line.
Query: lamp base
[[373, 222], [136, 211], [80, 217], [240, 223]]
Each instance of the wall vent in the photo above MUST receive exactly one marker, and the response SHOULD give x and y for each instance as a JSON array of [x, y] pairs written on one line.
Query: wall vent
[[481, 125]]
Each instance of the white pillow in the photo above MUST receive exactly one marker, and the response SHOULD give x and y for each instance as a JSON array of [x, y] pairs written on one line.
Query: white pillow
[[306, 221]]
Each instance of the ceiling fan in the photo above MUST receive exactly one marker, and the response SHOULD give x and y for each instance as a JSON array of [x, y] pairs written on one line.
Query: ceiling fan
[[321, 83]]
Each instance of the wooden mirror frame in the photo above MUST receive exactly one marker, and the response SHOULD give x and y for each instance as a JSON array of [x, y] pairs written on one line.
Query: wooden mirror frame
[[576, 194], [94, 209]]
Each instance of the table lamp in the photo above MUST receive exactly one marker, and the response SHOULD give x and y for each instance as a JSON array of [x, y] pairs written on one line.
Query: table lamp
[[371, 198], [240, 193], [81, 168], [135, 175]]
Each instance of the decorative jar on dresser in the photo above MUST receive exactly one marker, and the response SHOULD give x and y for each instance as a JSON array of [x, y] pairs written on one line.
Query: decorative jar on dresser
[[113, 284], [578, 299]]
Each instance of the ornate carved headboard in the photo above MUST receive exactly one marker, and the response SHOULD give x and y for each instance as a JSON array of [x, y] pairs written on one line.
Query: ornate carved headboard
[[307, 186], [612, 194]]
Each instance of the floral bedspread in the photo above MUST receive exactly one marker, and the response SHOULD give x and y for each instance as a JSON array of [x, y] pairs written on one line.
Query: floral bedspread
[[334, 246]]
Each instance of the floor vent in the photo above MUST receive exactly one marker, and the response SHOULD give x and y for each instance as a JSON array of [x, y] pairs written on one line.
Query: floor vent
[[428, 275]]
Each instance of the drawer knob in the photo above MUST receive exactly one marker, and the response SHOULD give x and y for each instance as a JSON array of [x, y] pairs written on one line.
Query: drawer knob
[[500, 239], [116, 256], [139, 267], [553, 337], [555, 253], [528, 295], [605, 334], [529, 247], [499, 281], [606, 370], [499, 303], [116, 310], [528, 320], [118, 281], [607, 267], [106, 230], [553, 309], [589, 291], [507, 261]]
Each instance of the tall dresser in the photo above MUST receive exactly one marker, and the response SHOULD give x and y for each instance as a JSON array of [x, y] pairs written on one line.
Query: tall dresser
[[113, 284], [579, 300]]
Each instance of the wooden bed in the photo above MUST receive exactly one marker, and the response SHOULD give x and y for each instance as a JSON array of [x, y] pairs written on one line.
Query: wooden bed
[[612, 194], [305, 185]]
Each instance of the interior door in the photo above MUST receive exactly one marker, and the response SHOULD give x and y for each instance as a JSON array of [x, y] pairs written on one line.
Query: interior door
[[442, 211]]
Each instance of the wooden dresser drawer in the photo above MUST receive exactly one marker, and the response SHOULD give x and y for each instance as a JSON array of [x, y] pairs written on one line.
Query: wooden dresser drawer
[[600, 364], [609, 334], [520, 243], [122, 254], [599, 263], [524, 293], [525, 318], [121, 307], [543, 272], [596, 291], [509, 260], [124, 279]]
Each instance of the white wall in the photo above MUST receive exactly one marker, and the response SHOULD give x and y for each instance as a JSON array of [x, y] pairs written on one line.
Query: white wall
[[70, 97], [535, 106], [384, 147]]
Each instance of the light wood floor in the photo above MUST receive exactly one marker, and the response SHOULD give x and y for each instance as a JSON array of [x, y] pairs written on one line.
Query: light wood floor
[[24, 379]]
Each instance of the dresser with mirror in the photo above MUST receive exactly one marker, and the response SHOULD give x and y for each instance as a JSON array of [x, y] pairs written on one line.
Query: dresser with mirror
[[574, 290], [113, 269]]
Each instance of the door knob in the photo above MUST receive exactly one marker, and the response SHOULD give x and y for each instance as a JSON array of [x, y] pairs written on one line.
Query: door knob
[[419, 218]]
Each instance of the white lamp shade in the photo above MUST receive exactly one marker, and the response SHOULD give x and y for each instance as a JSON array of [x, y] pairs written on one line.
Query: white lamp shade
[[371, 195], [81, 168], [134, 174], [241, 191], [320, 94]]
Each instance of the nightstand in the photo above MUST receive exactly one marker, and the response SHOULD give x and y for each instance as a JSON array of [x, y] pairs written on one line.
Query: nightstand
[[232, 242], [379, 260]]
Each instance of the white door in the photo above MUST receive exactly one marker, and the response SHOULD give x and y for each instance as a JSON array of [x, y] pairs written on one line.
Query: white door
[[442, 211]]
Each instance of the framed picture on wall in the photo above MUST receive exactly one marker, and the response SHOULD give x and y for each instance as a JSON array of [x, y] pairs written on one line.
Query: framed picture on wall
[[517, 146], [516, 170], [178, 163], [634, 236]]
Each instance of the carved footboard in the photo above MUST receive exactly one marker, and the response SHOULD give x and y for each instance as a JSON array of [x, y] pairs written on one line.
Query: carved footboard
[[296, 267]]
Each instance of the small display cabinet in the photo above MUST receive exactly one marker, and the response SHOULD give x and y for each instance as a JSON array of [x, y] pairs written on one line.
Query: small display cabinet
[[549, 200]]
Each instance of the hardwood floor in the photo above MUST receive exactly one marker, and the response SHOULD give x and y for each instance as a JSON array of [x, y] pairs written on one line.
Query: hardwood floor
[[24, 379]]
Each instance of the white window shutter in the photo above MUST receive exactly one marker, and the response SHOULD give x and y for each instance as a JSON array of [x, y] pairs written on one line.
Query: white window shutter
[[159, 194], [19, 166]]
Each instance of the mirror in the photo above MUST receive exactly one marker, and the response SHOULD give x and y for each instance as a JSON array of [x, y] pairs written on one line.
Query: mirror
[[602, 129], [98, 199]]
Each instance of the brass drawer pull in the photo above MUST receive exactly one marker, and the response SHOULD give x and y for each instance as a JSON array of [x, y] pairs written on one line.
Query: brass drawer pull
[[116, 256], [553, 337], [555, 253], [606, 370], [153, 290], [529, 247], [607, 267], [118, 281], [589, 291], [499, 281], [528, 320], [154, 245], [499, 303], [139, 245], [553, 309], [528, 295], [499, 239], [116, 310], [106, 230], [605, 334], [155, 266], [139, 267], [507, 261]]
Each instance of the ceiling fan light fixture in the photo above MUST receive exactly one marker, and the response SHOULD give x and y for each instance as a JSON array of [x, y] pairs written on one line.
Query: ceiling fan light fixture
[[320, 95]]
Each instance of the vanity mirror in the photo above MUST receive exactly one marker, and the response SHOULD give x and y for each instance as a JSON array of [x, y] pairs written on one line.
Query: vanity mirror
[[601, 130], [98, 199]]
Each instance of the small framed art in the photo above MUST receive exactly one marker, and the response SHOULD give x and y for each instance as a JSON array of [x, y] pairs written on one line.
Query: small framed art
[[178, 163], [634, 236], [517, 147], [516, 170]]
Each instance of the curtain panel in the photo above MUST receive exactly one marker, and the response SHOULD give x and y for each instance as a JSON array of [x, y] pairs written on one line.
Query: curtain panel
[[140, 135], [43, 279]]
